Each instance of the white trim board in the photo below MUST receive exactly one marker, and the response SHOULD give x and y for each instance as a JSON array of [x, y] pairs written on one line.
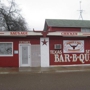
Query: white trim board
[[44, 52]]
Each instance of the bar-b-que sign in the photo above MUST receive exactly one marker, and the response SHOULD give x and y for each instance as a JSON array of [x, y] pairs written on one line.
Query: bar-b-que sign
[[59, 57], [73, 51]]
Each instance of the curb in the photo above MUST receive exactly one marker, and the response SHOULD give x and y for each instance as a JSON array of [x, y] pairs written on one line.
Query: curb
[[63, 71], [41, 71]]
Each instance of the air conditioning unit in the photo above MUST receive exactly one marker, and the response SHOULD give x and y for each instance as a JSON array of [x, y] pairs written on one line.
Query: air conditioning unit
[[57, 46]]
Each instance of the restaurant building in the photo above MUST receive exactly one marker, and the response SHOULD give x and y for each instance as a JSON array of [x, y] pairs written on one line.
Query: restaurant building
[[61, 43]]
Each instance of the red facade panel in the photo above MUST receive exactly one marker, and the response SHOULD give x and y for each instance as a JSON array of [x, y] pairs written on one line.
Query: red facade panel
[[64, 29], [13, 61], [59, 57]]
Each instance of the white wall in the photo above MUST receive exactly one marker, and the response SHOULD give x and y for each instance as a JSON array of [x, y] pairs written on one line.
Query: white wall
[[44, 52]]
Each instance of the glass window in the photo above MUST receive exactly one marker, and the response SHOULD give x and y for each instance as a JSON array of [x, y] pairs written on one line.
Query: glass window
[[6, 49]]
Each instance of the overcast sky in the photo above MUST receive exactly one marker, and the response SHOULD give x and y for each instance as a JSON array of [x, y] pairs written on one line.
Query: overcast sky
[[36, 11]]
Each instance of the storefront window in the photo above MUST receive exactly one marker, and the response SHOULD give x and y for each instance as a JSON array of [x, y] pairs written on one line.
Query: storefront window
[[6, 49]]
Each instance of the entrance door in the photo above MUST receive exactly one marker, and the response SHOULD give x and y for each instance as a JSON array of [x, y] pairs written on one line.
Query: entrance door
[[24, 55]]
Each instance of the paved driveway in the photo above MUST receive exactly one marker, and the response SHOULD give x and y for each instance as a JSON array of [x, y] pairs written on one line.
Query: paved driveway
[[46, 81]]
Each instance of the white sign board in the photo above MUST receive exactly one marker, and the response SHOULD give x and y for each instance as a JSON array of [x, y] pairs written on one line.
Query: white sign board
[[15, 51], [73, 46]]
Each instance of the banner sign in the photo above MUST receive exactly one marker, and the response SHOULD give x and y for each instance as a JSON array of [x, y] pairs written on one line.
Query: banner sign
[[26, 33], [73, 46]]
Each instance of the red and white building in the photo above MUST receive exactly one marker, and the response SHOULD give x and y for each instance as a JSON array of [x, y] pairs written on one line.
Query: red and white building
[[62, 42]]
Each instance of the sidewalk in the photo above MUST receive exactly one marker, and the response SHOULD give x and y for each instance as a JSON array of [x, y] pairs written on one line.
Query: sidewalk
[[13, 70]]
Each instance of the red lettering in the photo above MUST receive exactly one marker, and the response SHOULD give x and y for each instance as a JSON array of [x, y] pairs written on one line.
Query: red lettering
[[18, 33], [69, 33], [12, 33]]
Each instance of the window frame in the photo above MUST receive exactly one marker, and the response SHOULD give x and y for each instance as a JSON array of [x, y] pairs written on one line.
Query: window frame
[[5, 55]]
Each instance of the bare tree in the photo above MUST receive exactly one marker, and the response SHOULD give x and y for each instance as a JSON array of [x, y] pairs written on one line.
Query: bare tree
[[11, 19]]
